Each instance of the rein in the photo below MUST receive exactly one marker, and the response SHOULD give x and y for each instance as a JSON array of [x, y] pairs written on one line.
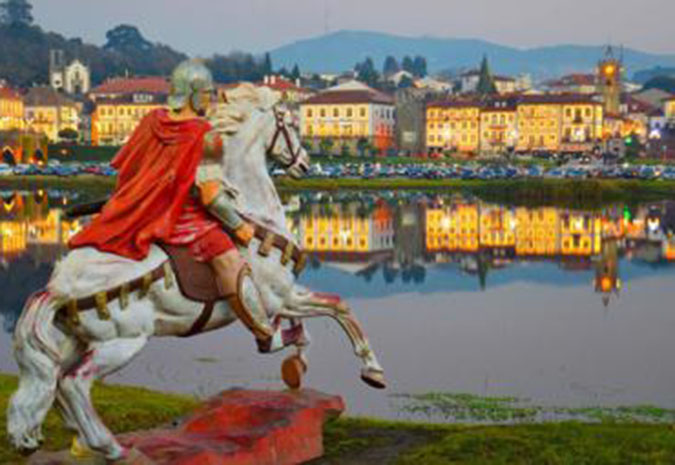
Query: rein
[[282, 130]]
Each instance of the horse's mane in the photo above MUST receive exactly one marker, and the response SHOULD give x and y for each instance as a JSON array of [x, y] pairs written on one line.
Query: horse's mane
[[241, 101]]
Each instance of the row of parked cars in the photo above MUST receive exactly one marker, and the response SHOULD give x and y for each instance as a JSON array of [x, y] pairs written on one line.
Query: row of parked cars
[[54, 168], [409, 171], [497, 171]]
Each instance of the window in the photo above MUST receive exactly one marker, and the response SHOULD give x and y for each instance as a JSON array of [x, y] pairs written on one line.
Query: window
[[350, 112], [309, 113], [363, 112], [323, 112], [336, 112]]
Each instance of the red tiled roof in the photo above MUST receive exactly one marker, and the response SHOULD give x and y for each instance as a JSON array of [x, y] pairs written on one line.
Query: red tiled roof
[[149, 84], [349, 96], [454, 104], [46, 97], [573, 80], [558, 98], [635, 105], [7, 93]]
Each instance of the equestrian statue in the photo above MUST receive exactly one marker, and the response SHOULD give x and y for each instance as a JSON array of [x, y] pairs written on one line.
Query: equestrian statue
[[193, 238]]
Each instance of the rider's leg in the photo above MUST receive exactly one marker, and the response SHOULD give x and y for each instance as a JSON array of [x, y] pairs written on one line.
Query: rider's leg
[[234, 279]]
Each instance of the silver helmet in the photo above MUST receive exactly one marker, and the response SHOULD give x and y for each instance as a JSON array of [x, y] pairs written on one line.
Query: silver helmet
[[189, 79]]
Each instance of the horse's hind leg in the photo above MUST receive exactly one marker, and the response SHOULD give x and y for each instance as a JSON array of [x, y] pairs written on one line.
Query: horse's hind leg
[[74, 391], [311, 304]]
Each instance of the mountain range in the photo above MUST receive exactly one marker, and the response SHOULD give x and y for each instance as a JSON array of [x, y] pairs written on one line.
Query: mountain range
[[341, 50]]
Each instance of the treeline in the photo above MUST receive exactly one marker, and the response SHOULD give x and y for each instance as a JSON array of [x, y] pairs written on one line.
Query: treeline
[[368, 73], [24, 53]]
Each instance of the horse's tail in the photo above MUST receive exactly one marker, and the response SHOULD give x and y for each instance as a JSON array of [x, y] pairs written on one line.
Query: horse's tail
[[37, 354]]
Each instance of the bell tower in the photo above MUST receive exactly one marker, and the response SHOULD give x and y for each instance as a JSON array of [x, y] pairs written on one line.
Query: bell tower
[[609, 75]]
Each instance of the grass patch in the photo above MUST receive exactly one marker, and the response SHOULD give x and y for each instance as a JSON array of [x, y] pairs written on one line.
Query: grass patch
[[123, 409], [462, 407]]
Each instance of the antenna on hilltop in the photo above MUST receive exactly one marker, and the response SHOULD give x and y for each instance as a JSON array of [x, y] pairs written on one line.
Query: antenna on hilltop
[[326, 17]]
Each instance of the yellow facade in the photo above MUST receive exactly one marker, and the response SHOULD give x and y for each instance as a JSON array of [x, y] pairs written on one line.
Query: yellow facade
[[498, 130], [349, 122], [581, 123], [453, 127], [669, 109], [452, 228], [497, 227], [113, 122], [50, 120], [539, 126], [341, 231], [580, 233], [11, 111], [537, 232]]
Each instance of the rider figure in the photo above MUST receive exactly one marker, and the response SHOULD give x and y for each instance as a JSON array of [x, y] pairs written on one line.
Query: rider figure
[[170, 190]]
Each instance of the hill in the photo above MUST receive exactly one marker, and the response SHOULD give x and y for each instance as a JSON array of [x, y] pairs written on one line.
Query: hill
[[341, 50]]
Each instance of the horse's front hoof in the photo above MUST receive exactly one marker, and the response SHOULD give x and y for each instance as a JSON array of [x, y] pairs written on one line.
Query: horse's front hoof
[[292, 370], [374, 379]]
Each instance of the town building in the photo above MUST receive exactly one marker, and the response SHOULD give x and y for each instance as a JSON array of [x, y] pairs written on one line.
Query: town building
[[669, 108], [22, 146], [11, 109], [453, 126], [610, 73], [348, 119], [121, 104], [573, 84], [498, 128], [559, 123], [291, 92], [345, 232], [73, 78], [49, 112], [410, 119], [468, 83]]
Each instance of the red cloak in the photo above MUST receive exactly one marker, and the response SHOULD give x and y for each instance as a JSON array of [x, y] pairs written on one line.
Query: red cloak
[[156, 170]]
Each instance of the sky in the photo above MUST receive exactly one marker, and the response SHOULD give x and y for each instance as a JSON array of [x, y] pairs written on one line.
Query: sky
[[202, 27]]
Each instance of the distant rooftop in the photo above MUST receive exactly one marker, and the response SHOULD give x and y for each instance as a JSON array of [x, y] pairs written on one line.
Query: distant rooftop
[[149, 84], [350, 92], [45, 96]]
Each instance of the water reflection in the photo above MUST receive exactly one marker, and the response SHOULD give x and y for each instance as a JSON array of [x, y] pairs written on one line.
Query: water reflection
[[400, 236]]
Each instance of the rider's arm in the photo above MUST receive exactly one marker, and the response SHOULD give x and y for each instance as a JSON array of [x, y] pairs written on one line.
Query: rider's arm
[[212, 193]]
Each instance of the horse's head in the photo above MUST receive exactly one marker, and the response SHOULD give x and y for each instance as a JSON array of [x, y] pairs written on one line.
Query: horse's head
[[255, 120]]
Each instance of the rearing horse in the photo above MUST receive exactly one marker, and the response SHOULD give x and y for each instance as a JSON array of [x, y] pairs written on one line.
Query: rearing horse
[[61, 349]]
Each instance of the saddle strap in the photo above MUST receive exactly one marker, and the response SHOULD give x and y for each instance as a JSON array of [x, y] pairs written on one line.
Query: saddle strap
[[94, 301], [289, 250], [203, 319]]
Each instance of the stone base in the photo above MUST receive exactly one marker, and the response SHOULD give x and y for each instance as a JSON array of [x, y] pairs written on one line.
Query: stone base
[[237, 427]]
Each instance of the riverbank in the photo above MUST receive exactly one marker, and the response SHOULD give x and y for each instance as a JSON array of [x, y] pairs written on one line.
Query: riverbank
[[536, 191], [352, 441]]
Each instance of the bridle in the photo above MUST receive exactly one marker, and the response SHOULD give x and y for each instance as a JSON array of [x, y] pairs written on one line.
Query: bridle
[[282, 131]]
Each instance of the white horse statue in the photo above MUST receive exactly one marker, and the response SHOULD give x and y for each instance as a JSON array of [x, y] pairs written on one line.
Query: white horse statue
[[61, 349]]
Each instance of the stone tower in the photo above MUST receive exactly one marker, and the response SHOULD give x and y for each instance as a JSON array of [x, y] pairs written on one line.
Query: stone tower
[[609, 75]]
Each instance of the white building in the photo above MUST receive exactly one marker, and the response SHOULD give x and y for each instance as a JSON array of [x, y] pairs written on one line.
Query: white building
[[74, 78]]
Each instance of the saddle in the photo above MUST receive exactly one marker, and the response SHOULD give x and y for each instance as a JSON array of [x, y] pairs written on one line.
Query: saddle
[[196, 280]]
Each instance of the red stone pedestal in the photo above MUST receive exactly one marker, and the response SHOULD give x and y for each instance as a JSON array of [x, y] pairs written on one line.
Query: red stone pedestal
[[242, 427]]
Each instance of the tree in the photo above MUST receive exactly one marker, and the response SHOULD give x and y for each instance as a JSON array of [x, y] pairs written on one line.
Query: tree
[[267, 65], [16, 12], [408, 64], [420, 66], [326, 146], [366, 72], [390, 66], [362, 146], [665, 83], [124, 37], [295, 73], [284, 72], [486, 83]]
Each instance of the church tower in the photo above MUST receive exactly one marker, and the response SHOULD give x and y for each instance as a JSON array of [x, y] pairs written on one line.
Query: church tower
[[609, 75]]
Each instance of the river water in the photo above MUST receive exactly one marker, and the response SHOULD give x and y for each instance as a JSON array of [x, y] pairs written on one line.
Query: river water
[[561, 306]]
